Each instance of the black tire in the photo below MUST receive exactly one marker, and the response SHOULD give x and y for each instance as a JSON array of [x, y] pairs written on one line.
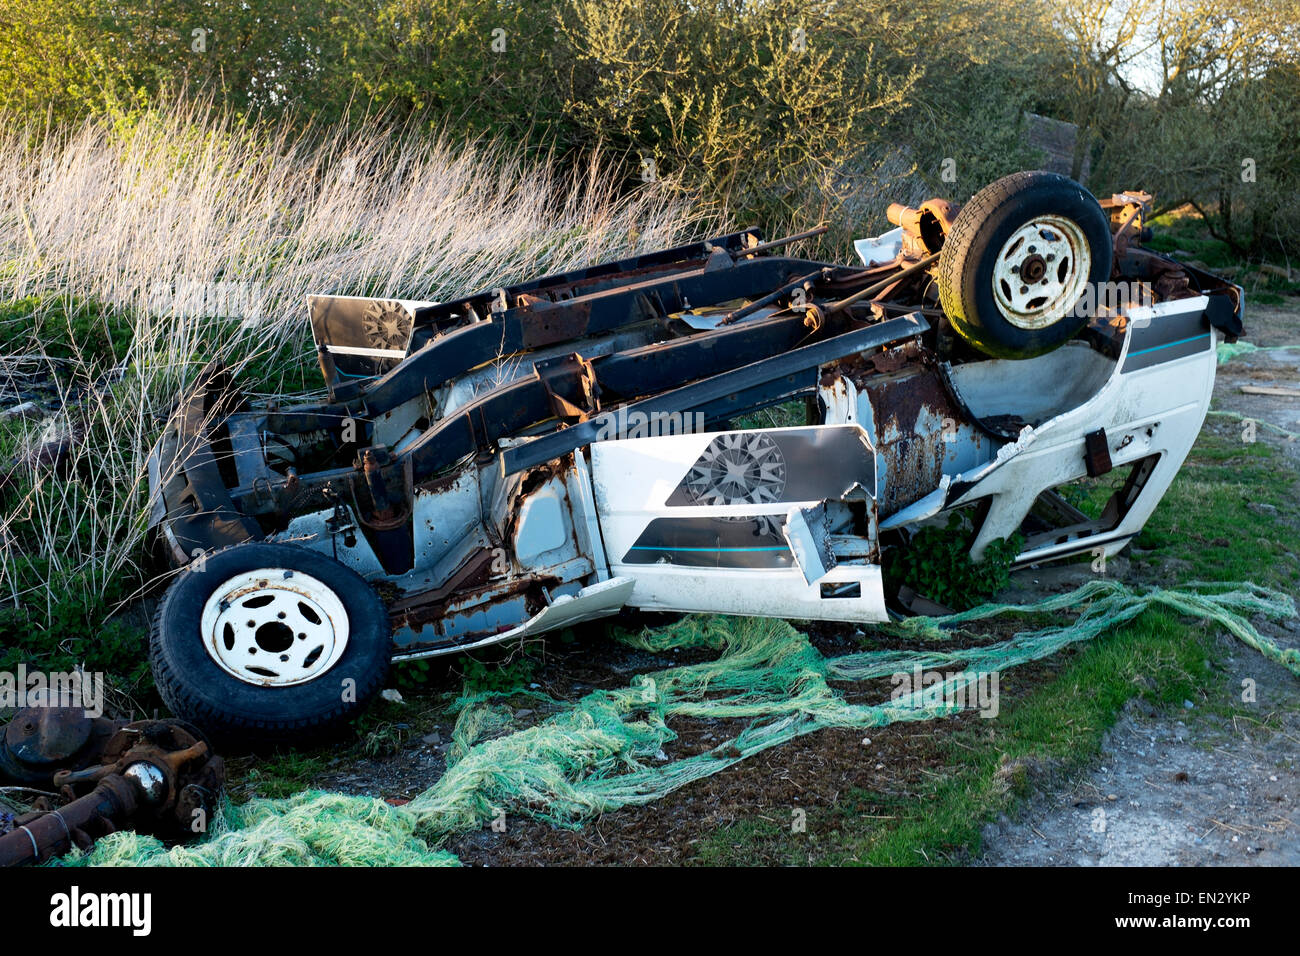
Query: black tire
[[200, 690], [971, 252]]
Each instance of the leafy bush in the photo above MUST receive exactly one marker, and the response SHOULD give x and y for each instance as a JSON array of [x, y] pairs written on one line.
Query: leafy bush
[[936, 563], [766, 109]]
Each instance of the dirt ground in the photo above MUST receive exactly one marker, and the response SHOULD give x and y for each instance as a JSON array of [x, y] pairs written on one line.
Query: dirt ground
[[813, 774], [1196, 790], [1190, 791]]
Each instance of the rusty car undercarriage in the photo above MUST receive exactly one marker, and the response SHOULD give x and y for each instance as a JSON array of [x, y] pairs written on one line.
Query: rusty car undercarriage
[[532, 456]]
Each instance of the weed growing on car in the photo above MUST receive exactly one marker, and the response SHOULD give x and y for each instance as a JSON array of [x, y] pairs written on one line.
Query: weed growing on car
[[503, 677], [937, 564]]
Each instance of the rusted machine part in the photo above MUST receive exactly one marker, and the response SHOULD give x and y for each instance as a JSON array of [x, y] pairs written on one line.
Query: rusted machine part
[[785, 292], [571, 387], [388, 525], [156, 776], [925, 228], [383, 513], [880, 286], [39, 836], [40, 741], [1128, 212], [1168, 280], [787, 240]]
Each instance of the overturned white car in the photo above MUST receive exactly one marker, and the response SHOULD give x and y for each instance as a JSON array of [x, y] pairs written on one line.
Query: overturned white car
[[533, 456]]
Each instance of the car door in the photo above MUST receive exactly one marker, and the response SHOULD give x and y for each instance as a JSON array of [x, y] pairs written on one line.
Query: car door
[[771, 522]]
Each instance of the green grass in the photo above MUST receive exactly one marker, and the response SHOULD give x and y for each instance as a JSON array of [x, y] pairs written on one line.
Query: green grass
[[1207, 525], [1218, 520], [1213, 252], [791, 414], [65, 328], [281, 774]]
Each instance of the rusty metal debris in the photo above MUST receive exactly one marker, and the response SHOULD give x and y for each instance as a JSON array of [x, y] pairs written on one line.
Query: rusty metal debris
[[156, 776], [924, 228]]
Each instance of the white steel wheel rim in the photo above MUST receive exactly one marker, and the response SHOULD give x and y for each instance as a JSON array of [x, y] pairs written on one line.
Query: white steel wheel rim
[[1041, 271], [273, 627]]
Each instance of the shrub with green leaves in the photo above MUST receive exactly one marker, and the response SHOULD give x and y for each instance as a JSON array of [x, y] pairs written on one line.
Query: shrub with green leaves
[[936, 563]]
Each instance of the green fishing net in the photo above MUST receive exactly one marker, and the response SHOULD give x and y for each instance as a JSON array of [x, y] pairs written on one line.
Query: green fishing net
[[606, 750], [1228, 351]]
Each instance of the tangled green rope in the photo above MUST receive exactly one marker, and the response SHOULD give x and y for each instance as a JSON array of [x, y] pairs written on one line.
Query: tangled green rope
[[1228, 351], [606, 751]]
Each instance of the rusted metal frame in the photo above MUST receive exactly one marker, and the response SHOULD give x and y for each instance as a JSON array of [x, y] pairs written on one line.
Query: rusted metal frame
[[788, 289], [564, 388], [446, 313], [787, 240], [450, 355], [901, 389], [852, 279], [608, 308], [746, 401], [1128, 213], [215, 522], [474, 572], [882, 285], [516, 406], [562, 385], [497, 415], [718, 387], [570, 373], [521, 329], [636, 372], [569, 387], [1225, 309]]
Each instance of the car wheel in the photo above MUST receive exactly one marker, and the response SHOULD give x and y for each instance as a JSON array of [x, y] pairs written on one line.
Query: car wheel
[[1022, 262], [269, 643]]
